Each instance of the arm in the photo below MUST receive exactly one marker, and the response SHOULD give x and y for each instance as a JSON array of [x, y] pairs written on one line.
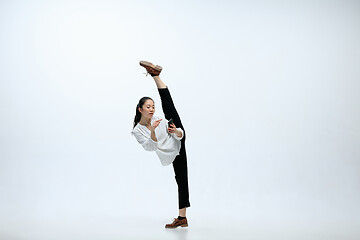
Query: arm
[[147, 143], [153, 136], [177, 133]]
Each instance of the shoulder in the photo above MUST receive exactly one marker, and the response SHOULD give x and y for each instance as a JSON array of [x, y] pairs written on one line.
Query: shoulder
[[140, 131], [135, 129]]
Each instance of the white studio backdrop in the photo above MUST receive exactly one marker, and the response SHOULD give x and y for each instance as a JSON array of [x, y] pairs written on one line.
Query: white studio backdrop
[[268, 92]]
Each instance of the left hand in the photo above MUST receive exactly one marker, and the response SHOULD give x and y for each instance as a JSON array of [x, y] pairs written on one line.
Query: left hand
[[172, 129]]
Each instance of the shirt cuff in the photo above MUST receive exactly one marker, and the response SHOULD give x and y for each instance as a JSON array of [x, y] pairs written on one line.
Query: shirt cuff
[[153, 141], [182, 134]]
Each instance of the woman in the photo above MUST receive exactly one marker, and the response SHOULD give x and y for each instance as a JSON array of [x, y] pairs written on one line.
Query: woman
[[166, 139]]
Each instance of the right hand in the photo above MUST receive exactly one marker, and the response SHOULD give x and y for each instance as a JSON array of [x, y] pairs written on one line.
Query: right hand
[[156, 123]]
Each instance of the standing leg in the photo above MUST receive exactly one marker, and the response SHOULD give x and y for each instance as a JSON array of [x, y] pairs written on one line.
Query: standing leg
[[181, 176]]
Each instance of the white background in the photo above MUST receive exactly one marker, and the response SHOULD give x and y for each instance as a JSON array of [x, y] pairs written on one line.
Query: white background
[[268, 92]]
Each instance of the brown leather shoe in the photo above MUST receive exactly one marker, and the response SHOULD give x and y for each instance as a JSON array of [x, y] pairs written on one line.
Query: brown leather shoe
[[176, 223], [153, 70]]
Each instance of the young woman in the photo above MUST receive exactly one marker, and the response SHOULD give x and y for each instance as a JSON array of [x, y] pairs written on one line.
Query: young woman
[[165, 138]]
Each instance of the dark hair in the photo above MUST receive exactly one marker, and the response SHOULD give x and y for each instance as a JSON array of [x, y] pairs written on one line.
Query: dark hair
[[138, 113]]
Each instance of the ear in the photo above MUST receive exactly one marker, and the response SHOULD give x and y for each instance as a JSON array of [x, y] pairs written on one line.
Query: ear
[[139, 109]]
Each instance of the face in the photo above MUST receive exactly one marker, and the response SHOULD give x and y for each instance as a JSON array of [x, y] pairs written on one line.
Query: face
[[148, 109]]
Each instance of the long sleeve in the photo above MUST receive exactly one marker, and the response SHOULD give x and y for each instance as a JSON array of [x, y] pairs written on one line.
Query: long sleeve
[[147, 143], [176, 137], [167, 146]]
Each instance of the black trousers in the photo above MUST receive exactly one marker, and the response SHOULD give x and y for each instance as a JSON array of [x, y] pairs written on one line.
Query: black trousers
[[180, 162]]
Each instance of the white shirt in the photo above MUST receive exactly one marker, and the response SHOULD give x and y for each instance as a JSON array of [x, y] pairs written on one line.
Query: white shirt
[[168, 144]]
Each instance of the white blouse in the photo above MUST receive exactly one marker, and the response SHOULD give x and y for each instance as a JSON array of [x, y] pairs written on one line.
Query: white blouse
[[168, 144]]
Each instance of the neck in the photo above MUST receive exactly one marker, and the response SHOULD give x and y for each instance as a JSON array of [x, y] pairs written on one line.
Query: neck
[[145, 121]]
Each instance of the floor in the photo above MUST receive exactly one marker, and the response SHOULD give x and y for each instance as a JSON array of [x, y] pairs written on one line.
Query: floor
[[110, 227]]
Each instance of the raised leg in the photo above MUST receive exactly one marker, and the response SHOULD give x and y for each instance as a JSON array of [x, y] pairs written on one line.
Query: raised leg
[[158, 82], [167, 103]]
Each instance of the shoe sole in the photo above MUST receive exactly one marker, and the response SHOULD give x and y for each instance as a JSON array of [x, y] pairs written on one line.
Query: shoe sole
[[149, 64], [182, 225]]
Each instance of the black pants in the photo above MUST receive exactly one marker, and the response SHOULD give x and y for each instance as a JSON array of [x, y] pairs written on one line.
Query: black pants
[[180, 162]]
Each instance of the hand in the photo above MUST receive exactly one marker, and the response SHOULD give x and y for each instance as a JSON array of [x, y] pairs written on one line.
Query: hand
[[172, 129], [156, 123]]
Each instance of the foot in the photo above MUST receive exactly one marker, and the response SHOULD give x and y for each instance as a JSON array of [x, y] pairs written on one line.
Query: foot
[[153, 70], [176, 223]]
